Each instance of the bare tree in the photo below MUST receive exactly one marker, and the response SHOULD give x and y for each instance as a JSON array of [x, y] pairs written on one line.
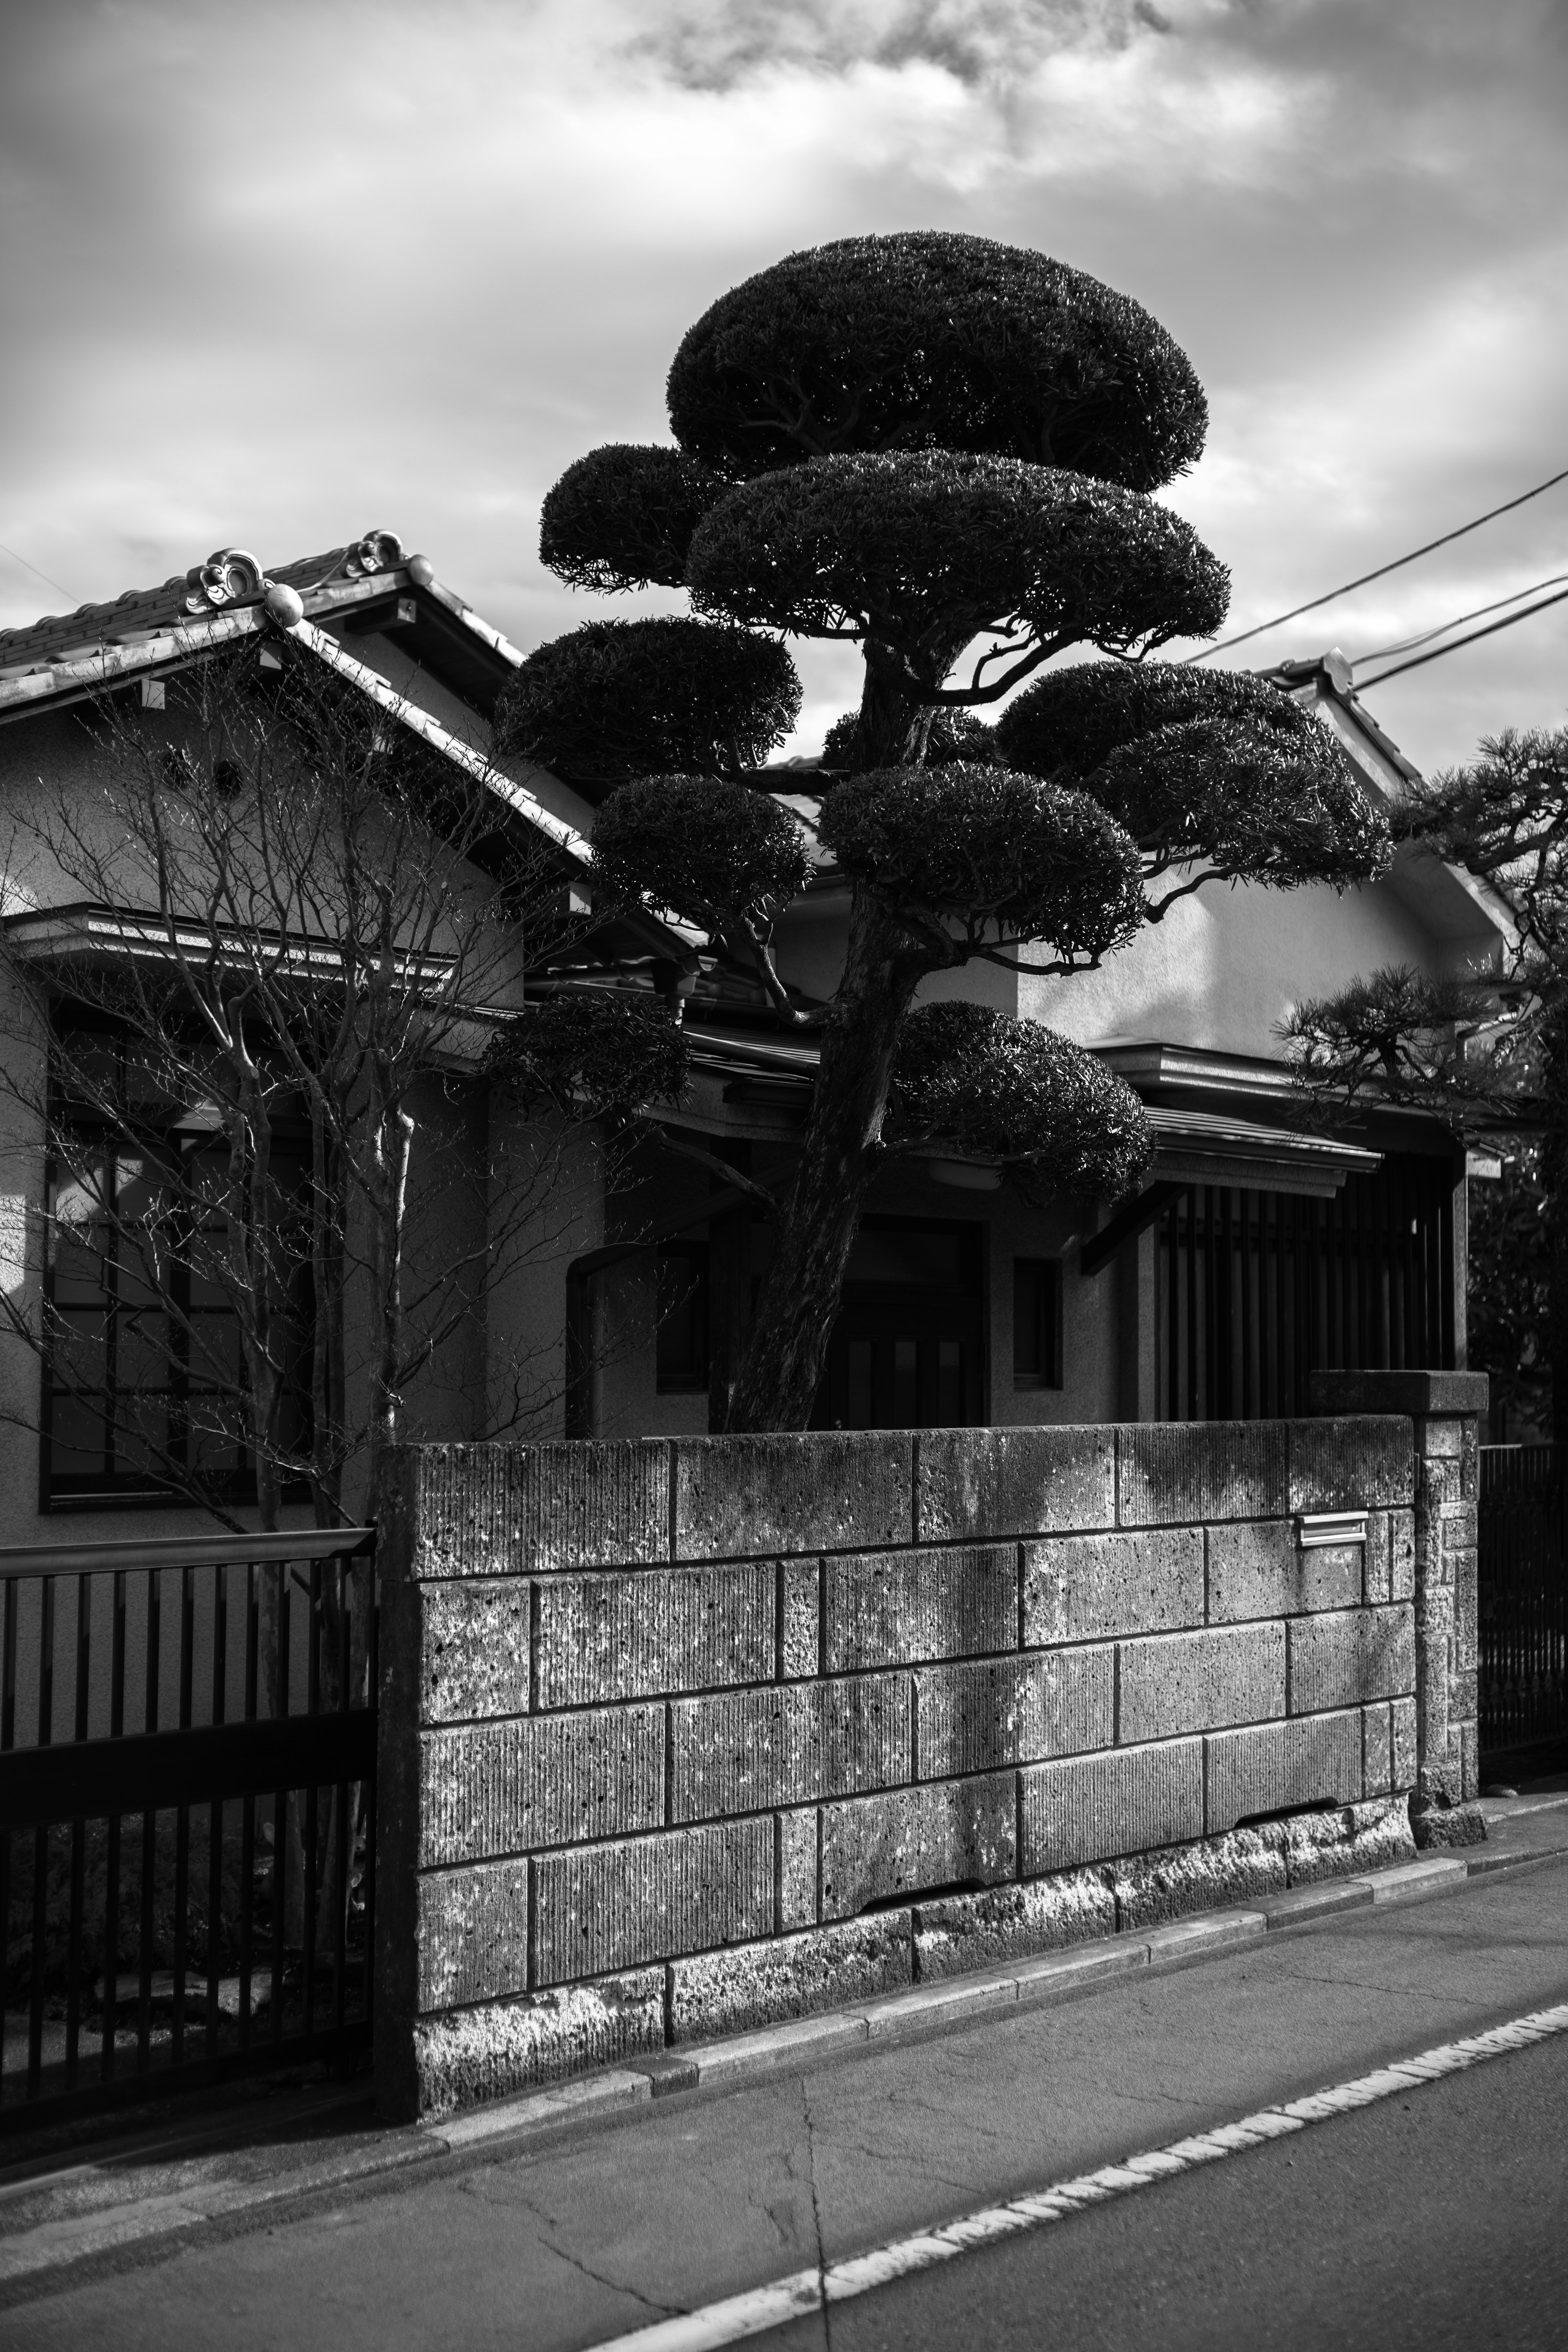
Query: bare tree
[[255, 1054]]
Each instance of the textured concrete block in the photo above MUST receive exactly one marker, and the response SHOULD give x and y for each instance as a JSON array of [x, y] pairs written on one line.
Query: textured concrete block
[[1376, 1750], [756, 1984], [1377, 1570], [796, 1859], [1397, 1392], [1351, 1657], [508, 1788], [602, 1638], [975, 1717], [1270, 1768], [1171, 1473], [1091, 1808], [977, 1483], [1172, 1683], [1460, 1531], [486, 2054], [1150, 1888], [1355, 1464], [1401, 1555], [1439, 1438], [1256, 1569], [501, 1510], [1083, 1588], [896, 1608], [1460, 1825], [474, 1649], [473, 1935], [1379, 1835], [800, 1618], [612, 1906], [1402, 1734], [738, 1752], [1467, 1630], [823, 1490], [961, 1932], [938, 1835]]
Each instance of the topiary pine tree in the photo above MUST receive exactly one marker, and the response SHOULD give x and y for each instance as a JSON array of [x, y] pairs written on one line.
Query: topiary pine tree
[[1487, 1052], [941, 449]]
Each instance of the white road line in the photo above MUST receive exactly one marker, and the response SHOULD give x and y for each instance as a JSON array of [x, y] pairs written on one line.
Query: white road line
[[796, 2297]]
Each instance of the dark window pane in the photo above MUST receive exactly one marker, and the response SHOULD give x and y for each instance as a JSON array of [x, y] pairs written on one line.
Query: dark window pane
[[906, 1396], [858, 1415], [1036, 1321], [681, 1350], [949, 1383]]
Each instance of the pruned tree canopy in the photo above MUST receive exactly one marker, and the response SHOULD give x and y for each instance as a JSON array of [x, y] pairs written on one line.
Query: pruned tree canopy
[[930, 339], [620, 698], [598, 1053], [926, 552], [987, 846], [715, 851], [1204, 767], [623, 517], [1013, 1090], [955, 733]]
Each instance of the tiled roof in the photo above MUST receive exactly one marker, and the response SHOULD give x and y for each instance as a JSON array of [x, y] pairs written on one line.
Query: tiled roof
[[142, 612]]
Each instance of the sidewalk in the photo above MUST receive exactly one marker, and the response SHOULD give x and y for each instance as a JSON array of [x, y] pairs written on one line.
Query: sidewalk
[[291, 2156]]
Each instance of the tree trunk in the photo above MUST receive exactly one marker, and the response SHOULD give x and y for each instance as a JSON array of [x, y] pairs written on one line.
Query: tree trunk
[[783, 1358], [891, 730]]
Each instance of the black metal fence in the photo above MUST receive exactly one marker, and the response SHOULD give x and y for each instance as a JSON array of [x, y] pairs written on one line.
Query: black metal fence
[[187, 1756], [1522, 1601]]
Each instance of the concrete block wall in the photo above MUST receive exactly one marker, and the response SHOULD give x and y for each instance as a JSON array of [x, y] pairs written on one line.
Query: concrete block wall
[[682, 1735]]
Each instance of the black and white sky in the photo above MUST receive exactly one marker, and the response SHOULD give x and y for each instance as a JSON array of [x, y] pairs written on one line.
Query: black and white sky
[[275, 274]]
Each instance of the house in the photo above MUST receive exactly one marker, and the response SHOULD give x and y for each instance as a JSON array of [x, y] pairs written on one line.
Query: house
[[1255, 1251]]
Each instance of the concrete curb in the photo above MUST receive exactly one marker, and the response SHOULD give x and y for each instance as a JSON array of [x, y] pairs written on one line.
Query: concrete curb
[[33, 2259]]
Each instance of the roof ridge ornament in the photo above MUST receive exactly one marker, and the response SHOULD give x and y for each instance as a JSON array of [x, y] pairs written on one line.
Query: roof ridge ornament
[[378, 551], [231, 575]]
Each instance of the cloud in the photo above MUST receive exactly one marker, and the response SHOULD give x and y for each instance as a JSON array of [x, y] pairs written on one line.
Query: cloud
[[274, 278]]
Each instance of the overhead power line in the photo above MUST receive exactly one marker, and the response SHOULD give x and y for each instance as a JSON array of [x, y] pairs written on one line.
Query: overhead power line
[[1438, 651], [1425, 637], [1383, 571], [33, 568]]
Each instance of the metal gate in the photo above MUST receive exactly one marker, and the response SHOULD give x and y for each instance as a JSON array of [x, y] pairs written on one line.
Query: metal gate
[[188, 1757], [1522, 1601]]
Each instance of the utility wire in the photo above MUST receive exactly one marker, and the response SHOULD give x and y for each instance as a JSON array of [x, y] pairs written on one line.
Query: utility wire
[[33, 568], [1438, 651], [1383, 569], [1425, 637]]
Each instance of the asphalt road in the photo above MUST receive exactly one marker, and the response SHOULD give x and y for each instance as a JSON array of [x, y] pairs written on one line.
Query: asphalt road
[[1434, 2220]]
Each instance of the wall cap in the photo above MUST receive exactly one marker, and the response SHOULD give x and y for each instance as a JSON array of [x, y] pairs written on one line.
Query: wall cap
[[1417, 1394]]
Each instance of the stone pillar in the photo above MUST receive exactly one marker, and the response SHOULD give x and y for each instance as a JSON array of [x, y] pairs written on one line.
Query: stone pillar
[[1446, 1409]]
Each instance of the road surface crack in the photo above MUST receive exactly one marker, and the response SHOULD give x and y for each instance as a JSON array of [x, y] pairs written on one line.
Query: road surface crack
[[599, 2278], [816, 2217]]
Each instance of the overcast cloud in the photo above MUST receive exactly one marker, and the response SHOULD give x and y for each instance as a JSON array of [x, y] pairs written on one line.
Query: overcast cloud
[[275, 275]]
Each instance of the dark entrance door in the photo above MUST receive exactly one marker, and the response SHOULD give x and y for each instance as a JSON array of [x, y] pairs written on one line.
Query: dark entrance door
[[908, 1347]]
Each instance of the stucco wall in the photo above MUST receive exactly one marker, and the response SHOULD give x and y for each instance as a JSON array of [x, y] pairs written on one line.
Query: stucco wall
[[678, 1737]]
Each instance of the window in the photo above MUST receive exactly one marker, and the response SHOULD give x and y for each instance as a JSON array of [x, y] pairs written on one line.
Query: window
[[145, 1386], [681, 1350], [908, 1344], [1037, 1323]]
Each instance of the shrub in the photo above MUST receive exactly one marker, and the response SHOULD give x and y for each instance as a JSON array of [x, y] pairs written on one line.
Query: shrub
[[1015, 1090], [710, 849], [985, 844], [928, 339], [623, 517], [591, 1050], [619, 698]]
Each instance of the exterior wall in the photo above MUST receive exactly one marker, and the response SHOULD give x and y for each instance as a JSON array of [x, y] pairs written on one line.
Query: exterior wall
[[1223, 966], [678, 1737]]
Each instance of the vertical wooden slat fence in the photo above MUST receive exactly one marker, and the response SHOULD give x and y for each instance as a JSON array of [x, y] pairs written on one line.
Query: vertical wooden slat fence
[[187, 1760], [1522, 1601]]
